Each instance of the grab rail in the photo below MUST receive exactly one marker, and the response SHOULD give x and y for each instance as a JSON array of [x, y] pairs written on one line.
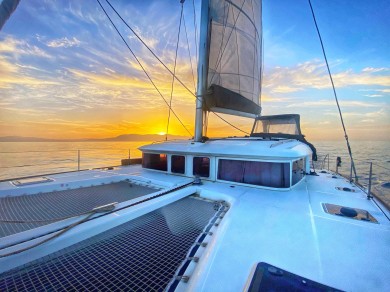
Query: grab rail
[[373, 178], [68, 160]]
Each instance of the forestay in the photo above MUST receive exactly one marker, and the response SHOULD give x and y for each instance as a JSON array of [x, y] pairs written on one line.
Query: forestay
[[234, 67]]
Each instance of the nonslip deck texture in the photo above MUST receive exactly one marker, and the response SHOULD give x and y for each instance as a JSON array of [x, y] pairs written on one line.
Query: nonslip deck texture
[[61, 204], [140, 255]]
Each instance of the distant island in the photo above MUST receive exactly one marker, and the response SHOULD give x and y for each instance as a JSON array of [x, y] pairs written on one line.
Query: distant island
[[120, 138]]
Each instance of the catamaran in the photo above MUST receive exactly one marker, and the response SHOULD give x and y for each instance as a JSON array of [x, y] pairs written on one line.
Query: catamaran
[[231, 214]]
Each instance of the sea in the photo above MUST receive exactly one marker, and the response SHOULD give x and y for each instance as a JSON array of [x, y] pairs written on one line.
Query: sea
[[22, 159]]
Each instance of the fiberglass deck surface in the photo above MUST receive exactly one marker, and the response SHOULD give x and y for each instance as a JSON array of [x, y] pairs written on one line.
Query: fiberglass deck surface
[[142, 254], [52, 206]]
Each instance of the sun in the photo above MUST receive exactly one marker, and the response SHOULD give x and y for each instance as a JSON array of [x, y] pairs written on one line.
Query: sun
[[161, 133]]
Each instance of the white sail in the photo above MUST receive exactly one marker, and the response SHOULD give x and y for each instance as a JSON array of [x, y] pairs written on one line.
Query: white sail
[[7, 7], [234, 65]]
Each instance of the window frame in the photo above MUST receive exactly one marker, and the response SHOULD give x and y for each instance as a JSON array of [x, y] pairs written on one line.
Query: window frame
[[254, 160], [303, 168], [210, 168], [171, 164], [154, 169]]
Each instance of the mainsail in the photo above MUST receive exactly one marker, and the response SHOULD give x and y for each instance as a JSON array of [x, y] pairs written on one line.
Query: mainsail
[[7, 7], [234, 60]]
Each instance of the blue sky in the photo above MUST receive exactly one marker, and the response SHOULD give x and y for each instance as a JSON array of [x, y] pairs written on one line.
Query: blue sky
[[65, 73]]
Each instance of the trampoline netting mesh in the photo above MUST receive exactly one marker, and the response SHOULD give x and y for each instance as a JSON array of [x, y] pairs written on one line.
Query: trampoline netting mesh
[[142, 254]]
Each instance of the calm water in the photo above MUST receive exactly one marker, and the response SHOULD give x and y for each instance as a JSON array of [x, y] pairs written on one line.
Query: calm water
[[18, 159]]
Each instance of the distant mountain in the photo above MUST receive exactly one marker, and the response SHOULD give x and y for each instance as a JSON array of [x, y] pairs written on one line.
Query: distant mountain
[[146, 137], [127, 137], [25, 139]]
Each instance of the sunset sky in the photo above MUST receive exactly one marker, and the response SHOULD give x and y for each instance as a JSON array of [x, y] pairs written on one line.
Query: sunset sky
[[65, 72]]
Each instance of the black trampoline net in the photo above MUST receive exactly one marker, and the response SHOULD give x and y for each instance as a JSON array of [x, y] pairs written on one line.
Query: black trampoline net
[[44, 208], [142, 254]]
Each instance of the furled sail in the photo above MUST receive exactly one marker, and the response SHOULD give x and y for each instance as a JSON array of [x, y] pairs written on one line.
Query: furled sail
[[234, 65], [7, 7]]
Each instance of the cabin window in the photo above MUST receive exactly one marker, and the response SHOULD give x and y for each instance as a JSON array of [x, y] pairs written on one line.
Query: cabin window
[[298, 170], [154, 161], [201, 166], [178, 164], [267, 174]]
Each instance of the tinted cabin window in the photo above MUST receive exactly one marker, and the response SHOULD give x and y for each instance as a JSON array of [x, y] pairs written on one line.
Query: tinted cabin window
[[268, 174], [298, 170], [178, 164], [154, 161], [201, 166]]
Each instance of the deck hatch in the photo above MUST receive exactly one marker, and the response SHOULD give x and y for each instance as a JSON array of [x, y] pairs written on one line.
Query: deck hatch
[[352, 213], [142, 254], [31, 181], [61, 204]]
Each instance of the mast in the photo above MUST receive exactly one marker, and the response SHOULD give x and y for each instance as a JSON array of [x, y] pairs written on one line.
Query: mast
[[202, 69]]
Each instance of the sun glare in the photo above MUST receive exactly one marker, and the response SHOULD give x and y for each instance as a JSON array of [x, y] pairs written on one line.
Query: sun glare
[[161, 133]]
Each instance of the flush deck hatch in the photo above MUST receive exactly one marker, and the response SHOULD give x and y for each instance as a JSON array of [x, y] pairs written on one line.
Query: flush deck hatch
[[348, 212]]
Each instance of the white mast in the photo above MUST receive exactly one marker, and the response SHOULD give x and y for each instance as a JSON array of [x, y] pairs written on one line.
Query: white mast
[[202, 69]]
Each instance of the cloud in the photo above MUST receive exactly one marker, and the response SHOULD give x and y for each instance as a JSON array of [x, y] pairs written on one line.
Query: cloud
[[16, 74], [150, 41], [322, 103], [313, 74], [373, 95], [63, 43], [374, 70], [17, 47], [374, 115], [386, 90], [285, 89]]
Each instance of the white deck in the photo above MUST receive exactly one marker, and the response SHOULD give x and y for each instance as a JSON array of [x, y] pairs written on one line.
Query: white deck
[[287, 229]]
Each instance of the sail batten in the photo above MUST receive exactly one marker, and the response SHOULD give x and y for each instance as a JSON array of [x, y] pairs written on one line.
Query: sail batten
[[234, 61]]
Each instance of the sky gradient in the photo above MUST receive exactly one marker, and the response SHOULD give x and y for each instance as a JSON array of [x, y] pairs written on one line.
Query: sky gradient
[[65, 72]]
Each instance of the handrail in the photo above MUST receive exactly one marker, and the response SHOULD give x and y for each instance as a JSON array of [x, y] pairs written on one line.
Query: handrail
[[71, 160], [69, 150], [366, 184]]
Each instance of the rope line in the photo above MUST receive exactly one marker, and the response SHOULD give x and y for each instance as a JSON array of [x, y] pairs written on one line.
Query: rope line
[[334, 90], [146, 73], [50, 237], [174, 73]]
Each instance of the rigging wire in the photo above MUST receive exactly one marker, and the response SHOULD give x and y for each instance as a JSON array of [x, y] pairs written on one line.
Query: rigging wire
[[230, 124], [174, 72], [334, 91], [165, 66], [139, 63], [196, 32], [149, 49], [189, 52]]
